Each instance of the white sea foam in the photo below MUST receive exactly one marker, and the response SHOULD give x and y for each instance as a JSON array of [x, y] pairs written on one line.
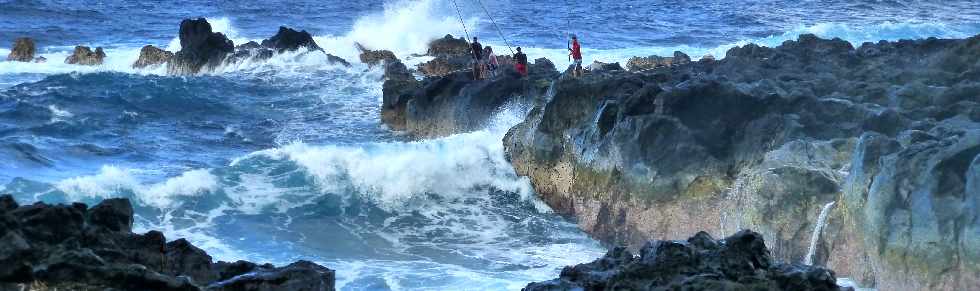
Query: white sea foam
[[110, 181], [396, 174]]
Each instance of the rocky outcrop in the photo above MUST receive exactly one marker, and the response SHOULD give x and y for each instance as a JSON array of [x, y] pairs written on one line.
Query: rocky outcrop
[[652, 62], [22, 51], [441, 106], [449, 54], [152, 56], [739, 262], [288, 39], [73, 247], [375, 57], [84, 55], [201, 48], [764, 139]]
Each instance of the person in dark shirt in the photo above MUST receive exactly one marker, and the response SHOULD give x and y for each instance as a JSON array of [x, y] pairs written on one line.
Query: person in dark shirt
[[477, 49], [520, 62]]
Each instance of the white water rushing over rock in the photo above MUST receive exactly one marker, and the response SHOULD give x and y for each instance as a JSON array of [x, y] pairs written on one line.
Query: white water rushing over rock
[[821, 222]]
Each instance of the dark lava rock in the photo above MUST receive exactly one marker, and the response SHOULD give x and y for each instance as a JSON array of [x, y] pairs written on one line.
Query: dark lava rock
[[84, 55], [201, 48], [653, 62], [22, 51], [288, 39], [441, 106], [739, 262], [73, 247], [764, 139], [152, 56], [296, 276]]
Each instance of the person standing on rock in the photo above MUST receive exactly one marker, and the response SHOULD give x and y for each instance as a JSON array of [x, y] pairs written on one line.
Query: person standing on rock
[[576, 52], [520, 62], [492, 63], [477, 58]]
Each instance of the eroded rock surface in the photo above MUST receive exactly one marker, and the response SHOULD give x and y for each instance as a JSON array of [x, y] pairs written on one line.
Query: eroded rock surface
[[73, 247], [23, 50], [764, 139], [152, 56], [739, 262], [84, 55]]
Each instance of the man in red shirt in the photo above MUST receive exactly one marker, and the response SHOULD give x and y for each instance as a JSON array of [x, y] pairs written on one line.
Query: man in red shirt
[[576, 52]]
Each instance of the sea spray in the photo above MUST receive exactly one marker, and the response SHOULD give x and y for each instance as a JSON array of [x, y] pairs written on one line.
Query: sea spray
[[817, 229]]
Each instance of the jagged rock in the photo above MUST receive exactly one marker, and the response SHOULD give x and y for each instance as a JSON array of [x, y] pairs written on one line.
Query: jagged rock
[[398, 88], [84, 55], [22, 51], [152, 56], [653, 62], [337, 60], [72, 247], [288, 39], [201, 48], [296, 276], [40, 60], [449, 46], [373, 58], [440, 106], [764, 138], [739, 262], [451, 55]]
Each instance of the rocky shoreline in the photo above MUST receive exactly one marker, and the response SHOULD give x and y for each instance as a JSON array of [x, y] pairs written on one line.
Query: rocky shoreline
[[882, 138], [74, 247]]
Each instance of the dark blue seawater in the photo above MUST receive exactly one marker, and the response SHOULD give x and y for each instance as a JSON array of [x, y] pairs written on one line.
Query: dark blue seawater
[[287, 159]]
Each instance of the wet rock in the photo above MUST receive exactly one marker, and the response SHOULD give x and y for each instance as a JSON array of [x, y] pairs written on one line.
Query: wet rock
[[298, 276], [72, 247], [440, 106], [375, 57], [288, 39], [84, 55], [40, 60], [739, 262], [201, 49], [152, 56], [23, 50]]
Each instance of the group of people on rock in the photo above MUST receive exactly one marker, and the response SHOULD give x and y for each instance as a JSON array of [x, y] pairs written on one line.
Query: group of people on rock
[[485, 63]]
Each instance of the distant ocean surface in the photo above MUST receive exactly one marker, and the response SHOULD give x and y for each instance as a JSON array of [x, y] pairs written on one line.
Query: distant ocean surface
[[287, 159]]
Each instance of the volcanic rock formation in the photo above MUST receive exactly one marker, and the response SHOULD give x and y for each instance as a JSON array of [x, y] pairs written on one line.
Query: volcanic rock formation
[[74, 247]]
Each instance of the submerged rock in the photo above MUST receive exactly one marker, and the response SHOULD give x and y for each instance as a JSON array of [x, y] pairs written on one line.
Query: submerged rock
[[22, 51], [73, 247], [739, 262], [152, 56], [201, 48], [84, 55]]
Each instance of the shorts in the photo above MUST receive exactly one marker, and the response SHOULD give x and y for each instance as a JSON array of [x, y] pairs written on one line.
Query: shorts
[[578, 63]]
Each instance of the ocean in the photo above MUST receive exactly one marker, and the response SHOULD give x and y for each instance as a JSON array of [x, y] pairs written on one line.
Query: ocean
[[287, 159]]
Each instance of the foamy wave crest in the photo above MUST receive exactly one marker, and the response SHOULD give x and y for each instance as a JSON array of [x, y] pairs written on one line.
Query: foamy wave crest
[[395, 175], [111, 181]]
